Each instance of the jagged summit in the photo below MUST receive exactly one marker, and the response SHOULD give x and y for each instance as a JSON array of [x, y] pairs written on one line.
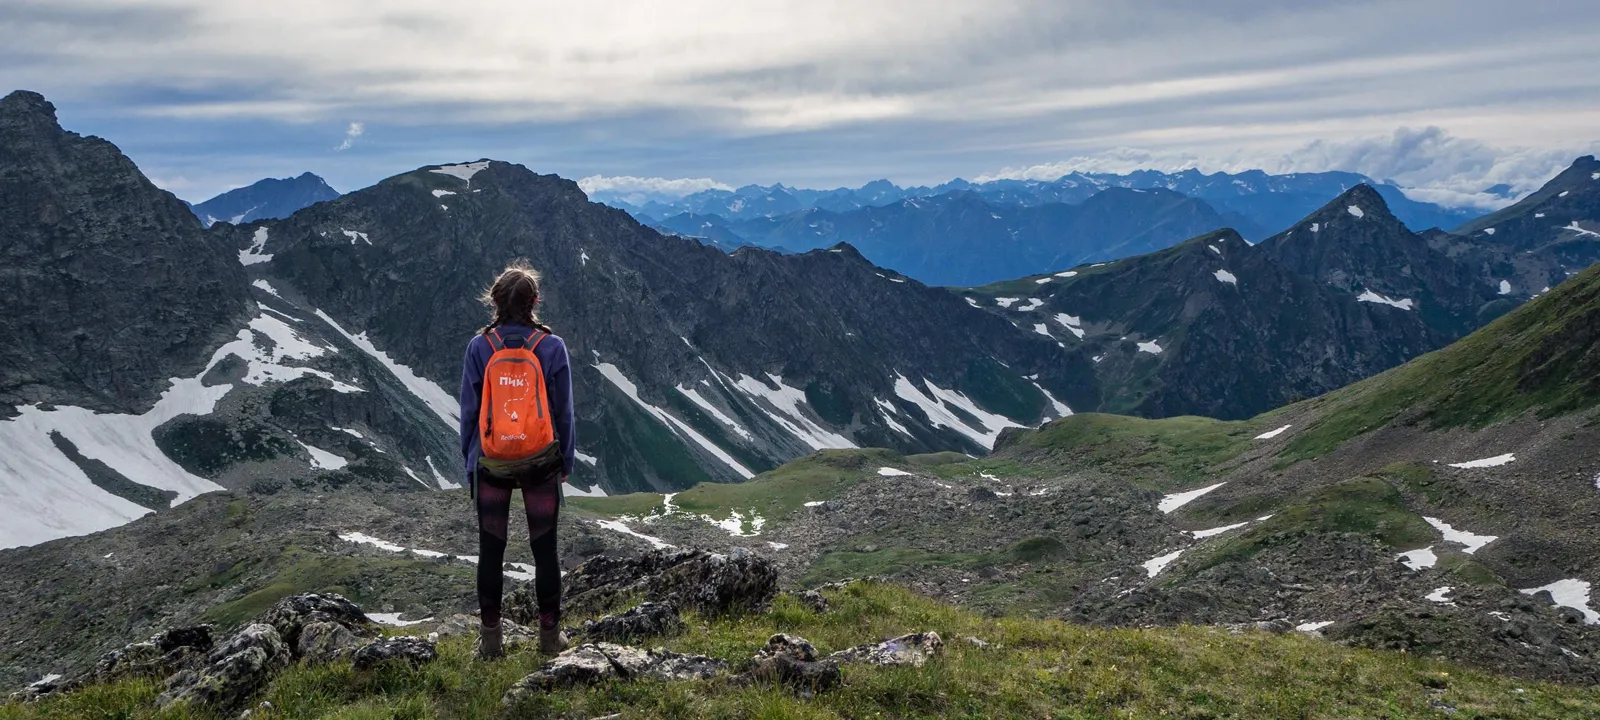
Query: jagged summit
[[265, 199]]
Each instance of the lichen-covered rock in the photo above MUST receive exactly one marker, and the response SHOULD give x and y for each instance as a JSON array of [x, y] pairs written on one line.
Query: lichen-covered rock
[[159, 657], [913, 650], [592, 663], [644, 621], [785, 644], [292, 615], [813, 600], [233, 671], [709, 583], [325, 642], [416, 651]]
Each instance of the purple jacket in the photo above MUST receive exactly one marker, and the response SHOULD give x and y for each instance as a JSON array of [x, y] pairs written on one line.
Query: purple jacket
[[552, 354]]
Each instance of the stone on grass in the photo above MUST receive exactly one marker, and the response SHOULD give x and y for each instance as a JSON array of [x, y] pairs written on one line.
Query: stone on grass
[[708, 583], [413, 650], [650, 619], [912, 650], [593, 663]]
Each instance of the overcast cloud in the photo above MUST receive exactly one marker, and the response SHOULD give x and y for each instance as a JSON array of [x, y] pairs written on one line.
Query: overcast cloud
[[1444, 95]]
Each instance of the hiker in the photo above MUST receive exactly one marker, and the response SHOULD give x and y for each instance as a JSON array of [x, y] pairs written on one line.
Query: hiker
[[517, 431]]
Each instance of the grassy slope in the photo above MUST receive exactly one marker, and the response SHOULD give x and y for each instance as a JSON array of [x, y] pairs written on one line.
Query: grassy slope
[[1039, 668], [1542, 356]]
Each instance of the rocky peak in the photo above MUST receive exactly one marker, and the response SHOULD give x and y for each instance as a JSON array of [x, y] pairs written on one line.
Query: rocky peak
[[27, 107]]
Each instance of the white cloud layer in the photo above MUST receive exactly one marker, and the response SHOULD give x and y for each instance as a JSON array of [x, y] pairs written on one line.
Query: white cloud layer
[[627, 185], [830, 92]]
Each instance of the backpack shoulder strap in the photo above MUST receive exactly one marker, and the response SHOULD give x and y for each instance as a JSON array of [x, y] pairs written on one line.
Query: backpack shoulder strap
[[533, 342], [496, 342]]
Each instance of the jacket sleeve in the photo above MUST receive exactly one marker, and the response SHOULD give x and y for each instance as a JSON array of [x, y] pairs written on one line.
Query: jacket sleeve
[[558, 382], [471, 395]]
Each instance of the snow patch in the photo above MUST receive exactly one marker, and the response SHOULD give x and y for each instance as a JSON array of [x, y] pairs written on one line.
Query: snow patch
[[442, 193], [787, 400], [715, 412], [464, 171], [1203, 534], [1042, 329], [1440, 595], [324, 460], [356, 235], [973, 303], [590, 459], [1033, 304], [438, 477], [1072, 323], [1067, 273], [442, 403], [1372, 297], [1006, 302], [937, 403], [619, 526], [1044, 280], [1227, 277], [1488, 231], [1270, 434], [393, 619], [1174, 501], [1316, 227], [621, 382], [1495, 461], [1419, 559], [1573, 227], [1505, 287], [1215, 249], [1312, 627], [1151, 347], [1572, 593], [1472, 542], [266, 286], [258, 242], [1356, 211], [892, 472], [1155, 565]]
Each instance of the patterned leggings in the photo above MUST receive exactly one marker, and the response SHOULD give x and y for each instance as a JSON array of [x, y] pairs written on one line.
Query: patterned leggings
[[494, 510]]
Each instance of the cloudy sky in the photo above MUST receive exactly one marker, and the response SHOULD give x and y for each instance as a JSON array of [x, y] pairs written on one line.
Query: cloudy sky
[[1447, 96]]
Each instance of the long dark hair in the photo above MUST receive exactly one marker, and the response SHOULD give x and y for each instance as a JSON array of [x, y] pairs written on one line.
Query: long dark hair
[[514, 296]]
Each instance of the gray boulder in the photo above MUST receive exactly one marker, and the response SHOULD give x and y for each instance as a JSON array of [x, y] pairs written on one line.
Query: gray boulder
[[233, 671], [593, 663], [43, 688], [293, 615], [912, 650], [644, 621], [415, 651], [813, 600], [709, 583], [785, 644]]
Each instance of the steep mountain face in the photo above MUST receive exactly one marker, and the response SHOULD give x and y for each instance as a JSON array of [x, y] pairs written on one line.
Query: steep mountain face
[[1356, 246], [690, 364], [1554, 232], [265, 199], [962, 239], [1210, 327], [90, 247]]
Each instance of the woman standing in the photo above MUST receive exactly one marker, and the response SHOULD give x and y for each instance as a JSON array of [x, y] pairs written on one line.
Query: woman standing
[[517, 431]]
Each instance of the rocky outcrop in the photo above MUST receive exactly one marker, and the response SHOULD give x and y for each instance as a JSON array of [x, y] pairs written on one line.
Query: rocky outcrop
[[415, 651], [708, 583], [651, 619], [320, 627], [592, 663], [233, 672], [158, 657]]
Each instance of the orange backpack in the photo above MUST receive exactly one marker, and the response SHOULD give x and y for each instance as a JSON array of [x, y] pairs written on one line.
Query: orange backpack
[[513, 421]]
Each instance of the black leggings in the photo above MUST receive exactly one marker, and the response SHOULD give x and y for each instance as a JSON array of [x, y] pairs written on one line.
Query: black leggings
[[494, 510]]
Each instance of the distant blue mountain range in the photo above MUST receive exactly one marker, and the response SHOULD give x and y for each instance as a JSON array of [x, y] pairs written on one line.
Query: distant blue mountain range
[[965, 233]]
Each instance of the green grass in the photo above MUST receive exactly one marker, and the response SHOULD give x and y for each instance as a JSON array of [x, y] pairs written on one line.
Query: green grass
[[1366, 506], [1537, 358], [314, 572], [1157, 453], [1036, 669]]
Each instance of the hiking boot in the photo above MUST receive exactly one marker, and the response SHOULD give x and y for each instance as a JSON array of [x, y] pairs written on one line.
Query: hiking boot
[[491, 643], [551, 640]]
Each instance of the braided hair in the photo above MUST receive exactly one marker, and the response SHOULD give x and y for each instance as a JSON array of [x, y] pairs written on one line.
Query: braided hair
[[514, 296]]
